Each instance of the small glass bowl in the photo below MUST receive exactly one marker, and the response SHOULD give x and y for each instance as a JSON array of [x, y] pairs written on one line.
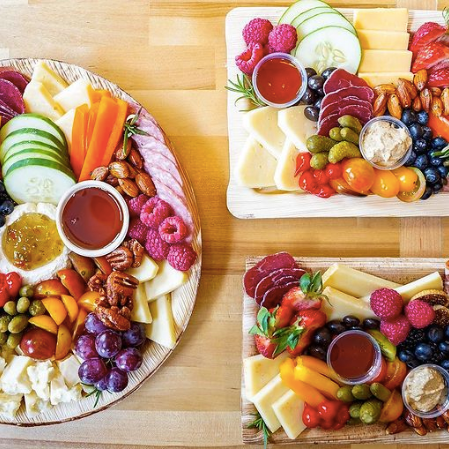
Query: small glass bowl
[[296, 63], [437, 411], [398, 124], [372, 373]]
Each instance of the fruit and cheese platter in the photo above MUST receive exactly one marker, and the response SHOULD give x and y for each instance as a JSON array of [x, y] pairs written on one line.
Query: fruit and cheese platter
[[341, 350], [100, 243], [337, 112]]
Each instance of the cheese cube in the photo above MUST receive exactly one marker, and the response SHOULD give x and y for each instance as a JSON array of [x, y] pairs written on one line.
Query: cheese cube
[[38, 99], [258, 371], [284, 175], [76, 94], [50, 79], [262, 124], [375, 79], [40, 375], [383, 19], [146, 271], [69, 370], [167, 280], [265, 399], [256, 166], [288, 410], [35, 405], [66, 125], [383, 40], [60, 393], [382, 61], [162, 329], [9, 404], [141, 310], [296, 126], [15, 379]]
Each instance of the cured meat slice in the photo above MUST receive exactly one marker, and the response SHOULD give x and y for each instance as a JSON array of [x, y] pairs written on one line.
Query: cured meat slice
[[331, 121], [274, 295], [263, 268], [164, 177], [341, 78], [16, 78], [148, 124], [11, 95], [337, 106], [286, 280], [362, 93]]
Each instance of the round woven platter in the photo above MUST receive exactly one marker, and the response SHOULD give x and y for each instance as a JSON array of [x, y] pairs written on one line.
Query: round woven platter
[[183, 299]]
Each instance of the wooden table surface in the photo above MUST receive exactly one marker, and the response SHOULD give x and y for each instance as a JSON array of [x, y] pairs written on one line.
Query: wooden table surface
[[170, 55]]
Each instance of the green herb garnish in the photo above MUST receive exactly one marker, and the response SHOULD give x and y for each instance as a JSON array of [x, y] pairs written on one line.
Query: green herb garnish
[[245, 88], [130, 129], [259, 423]]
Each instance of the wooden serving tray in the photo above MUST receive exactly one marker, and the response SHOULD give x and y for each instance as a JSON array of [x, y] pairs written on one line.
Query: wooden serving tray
[[243, 202], [397, 270]]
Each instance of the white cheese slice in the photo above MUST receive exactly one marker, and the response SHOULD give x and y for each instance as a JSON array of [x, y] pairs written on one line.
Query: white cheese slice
[[69, 370], [284, 176], [9, 404], [265, 399], [167, 280], [258, 371], [15, 378], [34, 405], [37, 99], [262, 124], [40, 375], [141, 311], [296, 126], [146, 271], [288, 410], [76, 94], [50, 79], [162, 329], [256, 166], [66, 125]]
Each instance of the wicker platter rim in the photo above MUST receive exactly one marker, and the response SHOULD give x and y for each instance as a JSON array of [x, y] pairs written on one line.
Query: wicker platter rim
[[193, 209]]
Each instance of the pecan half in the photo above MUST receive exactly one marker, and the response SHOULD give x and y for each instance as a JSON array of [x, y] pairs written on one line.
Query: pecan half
[[145, 184], [100, 174], [119, 169], [97, 282], [380, 105], [420, 79], [120, 284], [426, 99], [135, 159], [441, 423], [129, 187], [394, 106], [120, 259], [430, 424], [396, 426], [113, 318], [137, 250]]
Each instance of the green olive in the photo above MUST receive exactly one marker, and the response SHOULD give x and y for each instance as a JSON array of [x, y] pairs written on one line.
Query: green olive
[[10, 308], [4, 321], [3, 338], [18, 324], [23, 304], [13, 340], [36, 308], [26, 290]]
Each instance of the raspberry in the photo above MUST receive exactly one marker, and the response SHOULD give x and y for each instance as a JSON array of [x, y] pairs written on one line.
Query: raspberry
[[156, 247], [396, 330], [282, 38], [181, 256], [419, 313], [137, 230], [173, 230], [135, 205], [256, 31], [248, 60], [154, 212], [386, 303]]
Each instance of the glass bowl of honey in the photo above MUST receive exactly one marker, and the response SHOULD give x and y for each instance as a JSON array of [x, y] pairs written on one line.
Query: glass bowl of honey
[[92, 218]]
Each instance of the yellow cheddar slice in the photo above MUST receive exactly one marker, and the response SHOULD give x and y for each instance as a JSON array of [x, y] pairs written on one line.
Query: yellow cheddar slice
[[38, 99], [383, 40], [284, 176], [375, 79], [50, 79], [288, 410], [381, 61], [296, 126], [256, 166], [383, 19]]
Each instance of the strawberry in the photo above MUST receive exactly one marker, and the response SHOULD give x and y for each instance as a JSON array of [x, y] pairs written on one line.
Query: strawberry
[[439, 77], [430, 55], [426, 33], [307, 295], [283, 316], [265, 346]]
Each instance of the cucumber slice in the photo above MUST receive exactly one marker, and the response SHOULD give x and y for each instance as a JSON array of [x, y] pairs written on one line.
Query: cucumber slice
[[311, 13], [326, 19], [34, 145], [30, 155], [22, 135], [330, 47], [299, 7], [37, 181]]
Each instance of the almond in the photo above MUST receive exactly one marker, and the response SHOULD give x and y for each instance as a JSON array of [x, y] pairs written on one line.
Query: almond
[[417, 105], [385, 89], [411, 88], [445, 99], [145, 184], [129, 187], [119, 169], [420, 79], [380, 105], [135, 158], [404, 95], [394, 106], [426, 99], [120, 155], [436, 107], [100, 174]]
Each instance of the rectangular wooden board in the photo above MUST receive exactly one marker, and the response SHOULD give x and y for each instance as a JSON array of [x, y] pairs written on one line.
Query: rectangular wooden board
[[243, 202], [400, 270]]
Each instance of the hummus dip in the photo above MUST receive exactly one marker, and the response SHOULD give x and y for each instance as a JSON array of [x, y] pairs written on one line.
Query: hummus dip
[[384, 144], [425, 389]]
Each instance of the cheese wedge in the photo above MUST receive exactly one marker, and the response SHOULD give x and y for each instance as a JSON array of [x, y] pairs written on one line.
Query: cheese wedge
[[262, 124], [50, 79], [284, 175], [74, 95], [296, 127], [146, 271], [265, 399], [141, 310], [167, 280], [340, 304], [383, 19], [258, 371], [353, 282], [162, 329], [288, 410], [38, 99], [388, 61], [383, 40], [66, 125], [375, 79], [256, 166]]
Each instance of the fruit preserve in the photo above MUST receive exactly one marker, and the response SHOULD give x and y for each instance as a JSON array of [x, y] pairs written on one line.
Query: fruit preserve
[[355, 356], [92, 218], [32, 241]]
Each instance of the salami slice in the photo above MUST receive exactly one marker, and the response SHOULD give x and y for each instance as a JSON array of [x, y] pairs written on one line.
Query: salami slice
[[16, 78], [274, 295], [164, 177], [11, 95]]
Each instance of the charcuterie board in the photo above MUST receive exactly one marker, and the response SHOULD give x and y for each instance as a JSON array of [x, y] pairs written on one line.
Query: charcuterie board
[[182, 298], [249, 203], [397, 270]]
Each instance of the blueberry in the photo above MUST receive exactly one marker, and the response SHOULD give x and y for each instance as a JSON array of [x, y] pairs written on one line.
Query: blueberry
[[432, 175], [435, 334], [445, 364], [6, 207], [309, 97], [427, 133], [322, 337], [406, 356], [436, 161], [408, 117], [318, 352], [315, 82], [444, 347], [438, 143], [415, 131], [310, 72], [422, 117], [312, 113], [411, 159], [437, 187], [371, 323], [427, 193], [444, 171], [421, 162], [326, 73], [423, 352], [446, 331], [2, 221], [317, 103], [350, 321], [336, 327], [420, 146]]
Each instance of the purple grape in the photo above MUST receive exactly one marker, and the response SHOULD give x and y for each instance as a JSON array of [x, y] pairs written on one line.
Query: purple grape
[[102, 384], [85, 347], [93, 324], [92, 370], [116, 380], [135, 335], [128, 359], [108, 343]]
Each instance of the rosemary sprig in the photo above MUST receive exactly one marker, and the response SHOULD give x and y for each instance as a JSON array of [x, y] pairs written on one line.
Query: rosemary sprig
[[244, 87], [259, 423], [130, 129], [97, 393]]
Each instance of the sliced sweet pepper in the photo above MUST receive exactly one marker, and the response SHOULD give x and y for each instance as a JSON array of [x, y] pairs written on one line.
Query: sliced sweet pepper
[[96, 94], [91, 120], [312, 378], [305, 392], [439, 125], [319, 366], [117, 131], [79, 130]]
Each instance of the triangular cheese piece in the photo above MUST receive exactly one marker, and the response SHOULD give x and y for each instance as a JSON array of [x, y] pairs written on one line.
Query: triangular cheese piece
[[296, 126]]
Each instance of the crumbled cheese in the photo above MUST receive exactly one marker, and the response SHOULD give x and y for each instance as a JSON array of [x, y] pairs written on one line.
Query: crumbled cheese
[[15, 379], [35, 405], [40, 376], [9, 404], [59, 392]]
